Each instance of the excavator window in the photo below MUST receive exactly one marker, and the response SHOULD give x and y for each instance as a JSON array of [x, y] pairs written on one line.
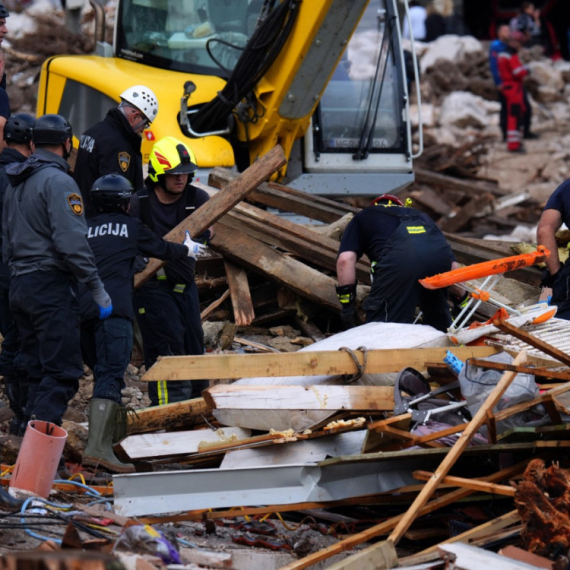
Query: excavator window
[[196, 36]]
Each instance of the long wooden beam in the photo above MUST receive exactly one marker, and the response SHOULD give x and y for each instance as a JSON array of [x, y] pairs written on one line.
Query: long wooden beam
[[302, 363], [211, 211], [270, 397], [475, 484]]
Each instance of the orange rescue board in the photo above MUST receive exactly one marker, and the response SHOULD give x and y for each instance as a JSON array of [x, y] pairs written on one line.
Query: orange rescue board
[[485, 269]]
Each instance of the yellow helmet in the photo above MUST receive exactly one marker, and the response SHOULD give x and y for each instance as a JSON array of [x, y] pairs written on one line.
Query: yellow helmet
[[170, 156]]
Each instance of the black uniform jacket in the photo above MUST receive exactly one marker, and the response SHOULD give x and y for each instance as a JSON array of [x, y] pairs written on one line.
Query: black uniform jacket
[[109, 147], [115, 240]]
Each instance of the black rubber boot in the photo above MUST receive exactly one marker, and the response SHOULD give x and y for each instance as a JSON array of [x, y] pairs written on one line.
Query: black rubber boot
[[102, 425], [17, 392]]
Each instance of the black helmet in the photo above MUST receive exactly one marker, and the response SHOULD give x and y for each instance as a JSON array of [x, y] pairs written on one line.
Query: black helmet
[[3, 11], [51, 129], [111, 192], [18, 128]]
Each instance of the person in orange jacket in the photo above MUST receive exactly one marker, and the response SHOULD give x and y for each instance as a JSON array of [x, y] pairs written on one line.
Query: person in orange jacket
[[512, 73]]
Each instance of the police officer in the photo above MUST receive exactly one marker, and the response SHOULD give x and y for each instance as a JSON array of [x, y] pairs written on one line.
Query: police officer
[[18, 137], [403, 245], [45, 245], [167, 306], [114, 144], [115, 239]]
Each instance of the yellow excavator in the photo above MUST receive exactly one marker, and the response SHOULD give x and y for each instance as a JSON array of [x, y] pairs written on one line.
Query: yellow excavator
[[325, 79]]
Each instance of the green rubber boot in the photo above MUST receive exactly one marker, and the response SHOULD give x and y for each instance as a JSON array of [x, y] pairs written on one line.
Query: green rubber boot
[[99, 450]]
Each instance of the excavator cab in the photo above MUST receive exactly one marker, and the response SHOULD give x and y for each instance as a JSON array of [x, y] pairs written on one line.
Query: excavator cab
[[323, 78]]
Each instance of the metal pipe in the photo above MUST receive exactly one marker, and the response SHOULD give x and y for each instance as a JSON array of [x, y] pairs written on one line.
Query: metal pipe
[[99, 20]]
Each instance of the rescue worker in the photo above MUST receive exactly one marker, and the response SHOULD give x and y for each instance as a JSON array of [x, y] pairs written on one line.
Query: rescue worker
[[18, 137], [512, 73], [403, 245], [167, 306], [556, 275], [45, 245], [114, 144], [3, 31], [497, 46], [115, 239]]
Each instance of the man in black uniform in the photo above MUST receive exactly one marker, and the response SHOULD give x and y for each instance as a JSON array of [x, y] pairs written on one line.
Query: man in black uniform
[[114, 144], [115, 239], [18, 137], [167, 306], [403, 245], [44, 242]]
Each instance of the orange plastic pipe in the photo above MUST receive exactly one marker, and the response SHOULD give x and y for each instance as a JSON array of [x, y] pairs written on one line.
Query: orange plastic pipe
[[486, 268]]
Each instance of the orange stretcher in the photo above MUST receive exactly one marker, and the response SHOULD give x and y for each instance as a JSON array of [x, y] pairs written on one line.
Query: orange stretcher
[[485, 269]]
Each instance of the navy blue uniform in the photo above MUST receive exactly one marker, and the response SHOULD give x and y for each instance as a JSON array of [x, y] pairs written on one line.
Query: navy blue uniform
[[109, 147], [167, 307], [115, 240], [560, 200], [403, 245], [8, 327]]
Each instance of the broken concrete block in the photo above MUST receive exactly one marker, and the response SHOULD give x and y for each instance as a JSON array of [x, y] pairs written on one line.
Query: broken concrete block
[[463, 109], [450, 48]]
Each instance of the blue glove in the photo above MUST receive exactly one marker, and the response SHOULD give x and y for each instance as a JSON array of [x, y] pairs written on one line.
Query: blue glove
[[101, 297], [105, 312]]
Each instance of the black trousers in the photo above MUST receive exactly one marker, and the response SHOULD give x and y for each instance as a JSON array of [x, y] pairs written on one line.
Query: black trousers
[[9, 331], [45, 308], [169, 320]]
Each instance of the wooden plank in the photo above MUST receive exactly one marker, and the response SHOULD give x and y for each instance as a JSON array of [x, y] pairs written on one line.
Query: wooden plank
[[388, 525], [537, 372], [301, 363], [458, 448], [270, 263], [240, 294], [271, 397], [533, 341], [178, 442], [469, 186], [213, 306], [287, 199], [170, 416], [211, 211], [280, 232], [464, 215], [475, 484], [488, 528]]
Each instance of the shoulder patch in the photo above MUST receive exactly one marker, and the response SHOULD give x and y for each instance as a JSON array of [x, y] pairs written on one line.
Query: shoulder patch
[[75, 203], [124, 161]]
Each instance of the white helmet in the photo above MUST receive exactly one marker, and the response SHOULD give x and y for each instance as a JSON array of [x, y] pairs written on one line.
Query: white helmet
[[143, 99]]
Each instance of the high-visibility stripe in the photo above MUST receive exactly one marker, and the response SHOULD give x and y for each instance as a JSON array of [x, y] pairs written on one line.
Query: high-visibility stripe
[[416, 229], [179, 287], [162, 392], [518, 70], [142, 311]]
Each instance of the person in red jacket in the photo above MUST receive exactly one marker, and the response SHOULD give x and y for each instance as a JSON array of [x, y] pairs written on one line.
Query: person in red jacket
[[512, 73]]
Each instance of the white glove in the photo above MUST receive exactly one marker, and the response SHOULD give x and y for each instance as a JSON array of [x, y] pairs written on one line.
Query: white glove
[[194, 248]]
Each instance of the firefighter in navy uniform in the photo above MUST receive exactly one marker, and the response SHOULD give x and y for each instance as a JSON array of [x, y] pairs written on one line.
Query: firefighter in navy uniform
[[113, 146], [403, 245], [167, 306], [18, 137], [115, 239], [44, 242]]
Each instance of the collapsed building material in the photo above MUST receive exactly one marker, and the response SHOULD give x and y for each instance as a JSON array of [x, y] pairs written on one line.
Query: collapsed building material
[[240, 294], [237, 397], [212, 210], [174, 491], [466, 557], [179, 442], [306, 362]]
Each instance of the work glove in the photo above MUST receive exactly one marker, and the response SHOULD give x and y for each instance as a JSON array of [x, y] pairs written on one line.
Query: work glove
[[140, 263], [194, 248], [347, 296], [459, 303], [101, 297], [548, 280]]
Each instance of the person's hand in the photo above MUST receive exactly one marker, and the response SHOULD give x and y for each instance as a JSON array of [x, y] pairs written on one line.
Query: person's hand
[[194, 248], [549, 279], [347, 297], [101, 297], [140, 263]]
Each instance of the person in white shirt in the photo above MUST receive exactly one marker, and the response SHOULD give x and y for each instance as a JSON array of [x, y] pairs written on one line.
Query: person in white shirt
[[418, 15]]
